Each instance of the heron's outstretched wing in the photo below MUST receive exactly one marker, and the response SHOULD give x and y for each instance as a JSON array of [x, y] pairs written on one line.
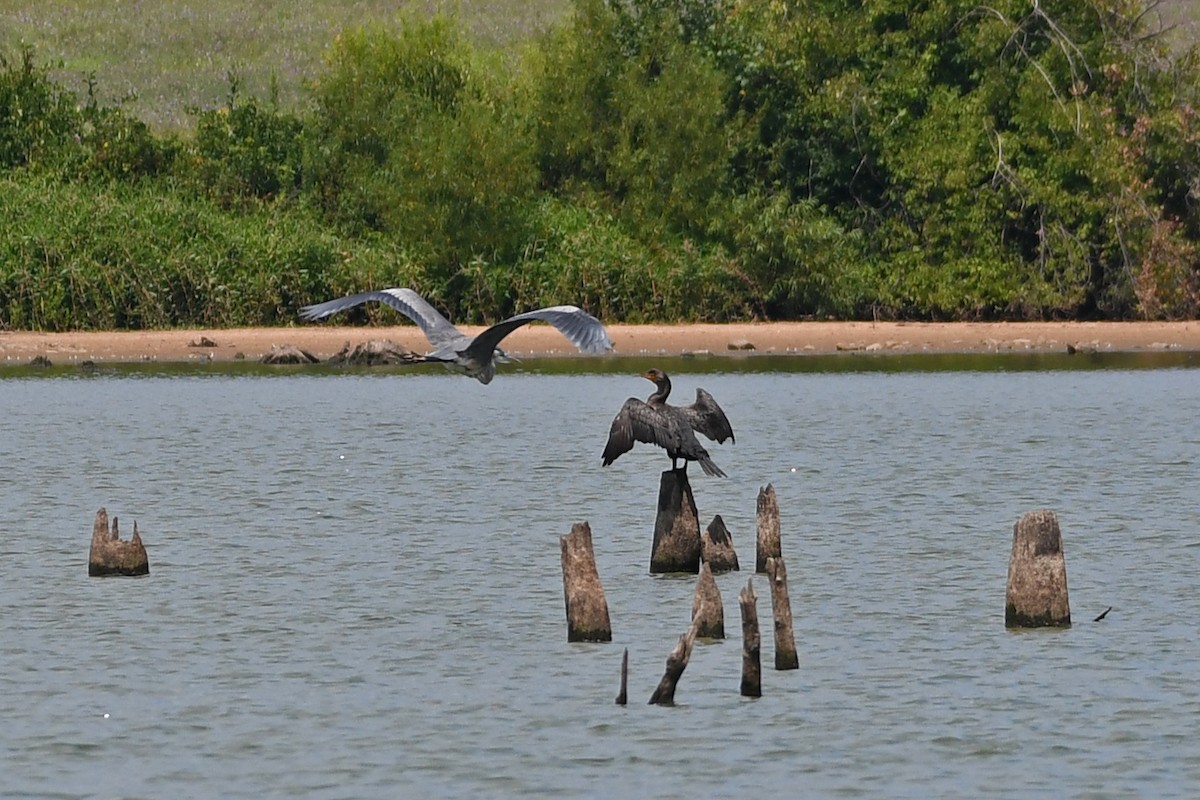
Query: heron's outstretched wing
[[706, 417], [638, 422], [437, 329], [581, 329]]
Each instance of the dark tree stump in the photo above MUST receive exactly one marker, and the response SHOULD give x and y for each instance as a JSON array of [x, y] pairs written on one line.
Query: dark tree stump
[[1036, 596], [781, 608], [110, 556], [376, 352], [708, 612], [664, 693], [751, 643], [587, 608], [676, 545], [767, 544], [716, 547], [623, 695]]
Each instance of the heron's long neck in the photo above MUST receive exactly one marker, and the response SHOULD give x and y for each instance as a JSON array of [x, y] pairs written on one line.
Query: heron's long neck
[[663, 392]]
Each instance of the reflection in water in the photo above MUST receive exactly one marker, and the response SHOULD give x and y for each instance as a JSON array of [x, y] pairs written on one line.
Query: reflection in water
[[355, 583]]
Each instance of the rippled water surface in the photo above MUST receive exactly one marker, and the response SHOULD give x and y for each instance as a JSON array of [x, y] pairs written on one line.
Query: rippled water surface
[[355, 586]]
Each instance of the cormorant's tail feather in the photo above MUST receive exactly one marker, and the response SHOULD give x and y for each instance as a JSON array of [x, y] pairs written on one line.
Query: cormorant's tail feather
[[710, 468]]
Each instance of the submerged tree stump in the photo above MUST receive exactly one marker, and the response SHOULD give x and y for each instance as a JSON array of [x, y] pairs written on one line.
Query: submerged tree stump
[[767, 543], [676, 545], [587, 607], [716, 547], [751, 643], [707, 609], [1036, 596], [781, 608], [664, 693], [110, 556]]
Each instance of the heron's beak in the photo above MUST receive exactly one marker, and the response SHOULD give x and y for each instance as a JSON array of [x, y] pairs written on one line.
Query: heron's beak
[[502, 357]]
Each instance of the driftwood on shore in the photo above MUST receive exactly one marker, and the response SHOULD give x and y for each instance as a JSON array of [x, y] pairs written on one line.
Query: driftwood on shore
[[716, 547], [781, 609], [708, 611], [767, 541], [587, 607], [677, 661], [373, 353], [111, 556], [751, 643], [288, 354], [676, 546], [1036, 593]]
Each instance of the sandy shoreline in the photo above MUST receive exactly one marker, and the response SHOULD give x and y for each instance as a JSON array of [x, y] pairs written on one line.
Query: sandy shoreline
[[17, 347]]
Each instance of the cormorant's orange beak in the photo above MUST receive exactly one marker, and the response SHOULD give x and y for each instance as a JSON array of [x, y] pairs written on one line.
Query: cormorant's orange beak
[[648, 375]]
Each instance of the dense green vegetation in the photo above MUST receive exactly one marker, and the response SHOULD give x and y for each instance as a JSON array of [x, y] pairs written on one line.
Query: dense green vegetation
[[648, 159]]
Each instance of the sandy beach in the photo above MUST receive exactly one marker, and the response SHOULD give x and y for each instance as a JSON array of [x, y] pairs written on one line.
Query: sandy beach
[[17, 347]]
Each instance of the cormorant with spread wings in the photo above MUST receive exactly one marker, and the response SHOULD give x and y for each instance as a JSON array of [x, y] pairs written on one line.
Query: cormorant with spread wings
[[476, 357], [669, 427]]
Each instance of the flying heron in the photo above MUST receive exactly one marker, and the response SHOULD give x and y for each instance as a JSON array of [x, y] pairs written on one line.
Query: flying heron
[[669, 427], [476, 357]]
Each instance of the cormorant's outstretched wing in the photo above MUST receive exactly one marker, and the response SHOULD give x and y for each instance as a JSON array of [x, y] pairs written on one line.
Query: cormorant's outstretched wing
[[706, 417], [637, 421], [581, 329], [437, 329]]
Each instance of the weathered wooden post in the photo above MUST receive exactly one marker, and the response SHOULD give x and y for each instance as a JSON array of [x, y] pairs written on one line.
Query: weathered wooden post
[[1036, 596], [587, 608], [781, 608], [623, 695], [716, 547], [664, 693], [110, 556], [707, 608], [751, 643], [767, 513], [676, 545]]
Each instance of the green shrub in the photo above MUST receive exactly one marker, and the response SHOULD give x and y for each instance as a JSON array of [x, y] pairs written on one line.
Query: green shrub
[[418, 136], [39, 122]]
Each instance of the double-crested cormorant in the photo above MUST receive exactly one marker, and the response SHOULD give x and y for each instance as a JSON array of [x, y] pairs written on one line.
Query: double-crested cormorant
[[477, 356], [669, 427]]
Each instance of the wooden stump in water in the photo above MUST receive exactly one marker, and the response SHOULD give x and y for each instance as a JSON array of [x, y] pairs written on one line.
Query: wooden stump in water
[[716, 547], [708, 612], [1036, 596], [664, 693], [781, 608], [751, 643], [767, 544], [110, 556], [623, 695], [587, 608], [676, 545]]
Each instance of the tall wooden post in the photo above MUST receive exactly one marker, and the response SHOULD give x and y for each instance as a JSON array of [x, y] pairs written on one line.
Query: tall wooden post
[[751, 643], [587, 607], [1036, 595], [767, 544], [781, 607], [623, 694], [676, 545]]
